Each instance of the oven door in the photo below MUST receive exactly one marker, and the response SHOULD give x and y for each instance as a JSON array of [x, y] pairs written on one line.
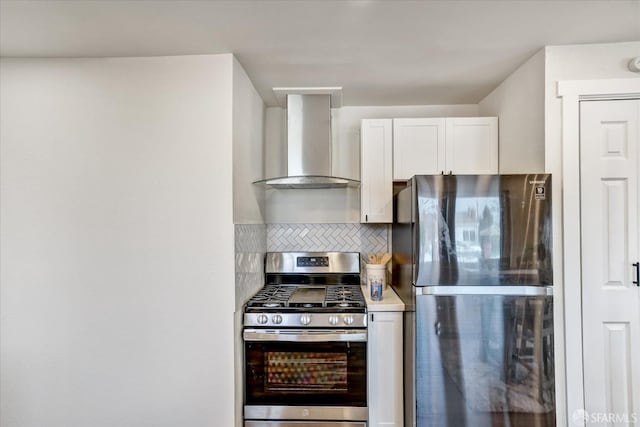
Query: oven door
[[305, 374]]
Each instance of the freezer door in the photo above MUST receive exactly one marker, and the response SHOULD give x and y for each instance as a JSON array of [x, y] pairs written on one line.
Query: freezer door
[[481, 230], [484, 360]]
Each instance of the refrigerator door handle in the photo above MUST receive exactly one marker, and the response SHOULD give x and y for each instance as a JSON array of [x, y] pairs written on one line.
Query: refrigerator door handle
[[529, 291], [437, 328]]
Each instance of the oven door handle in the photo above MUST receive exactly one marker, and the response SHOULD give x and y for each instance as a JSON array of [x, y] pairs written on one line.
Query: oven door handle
[[295, 335]]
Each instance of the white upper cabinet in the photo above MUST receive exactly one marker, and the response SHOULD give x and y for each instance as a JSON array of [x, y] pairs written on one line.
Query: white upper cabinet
[[472, 145], [376, 180], [396, 149], [464, 145], [418, 147]]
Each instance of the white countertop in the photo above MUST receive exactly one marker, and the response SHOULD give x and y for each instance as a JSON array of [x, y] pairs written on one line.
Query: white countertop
[[390, 301]]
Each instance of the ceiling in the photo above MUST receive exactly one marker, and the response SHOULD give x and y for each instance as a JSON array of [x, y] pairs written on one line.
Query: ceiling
[[389, 52]]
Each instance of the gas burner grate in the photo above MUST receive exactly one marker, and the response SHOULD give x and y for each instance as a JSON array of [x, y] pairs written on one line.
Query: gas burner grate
[[271, 296], [280, 296], [344, 296]]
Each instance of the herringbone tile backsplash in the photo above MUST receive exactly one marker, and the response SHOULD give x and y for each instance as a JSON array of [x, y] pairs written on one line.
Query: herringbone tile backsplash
[[363, 238], [252, 241]]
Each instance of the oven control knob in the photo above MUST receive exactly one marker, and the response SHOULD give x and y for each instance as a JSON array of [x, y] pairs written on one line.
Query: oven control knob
[[333, 320], [348, 320], [262, 319], [305, 319], [276, 319]]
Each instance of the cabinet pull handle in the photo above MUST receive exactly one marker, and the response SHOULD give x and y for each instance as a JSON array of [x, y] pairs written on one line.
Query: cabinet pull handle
[[372, 317], [637, 267], [366, 218]]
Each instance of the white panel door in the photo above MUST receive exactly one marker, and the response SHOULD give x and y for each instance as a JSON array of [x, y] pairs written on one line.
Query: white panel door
[[418, 147], [376, 183], [472, 145], [609, 162]]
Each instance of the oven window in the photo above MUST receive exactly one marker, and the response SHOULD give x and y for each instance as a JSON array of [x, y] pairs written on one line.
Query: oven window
[[289, 373], [318, 371]]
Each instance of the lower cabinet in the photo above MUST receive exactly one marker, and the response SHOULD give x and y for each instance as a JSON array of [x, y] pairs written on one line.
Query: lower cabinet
[[385, 374]]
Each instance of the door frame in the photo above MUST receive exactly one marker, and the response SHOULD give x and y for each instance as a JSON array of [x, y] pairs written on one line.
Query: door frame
[[571, 93]]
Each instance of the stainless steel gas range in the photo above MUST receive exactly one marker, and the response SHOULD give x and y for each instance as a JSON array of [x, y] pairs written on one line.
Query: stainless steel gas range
[[305, 343]]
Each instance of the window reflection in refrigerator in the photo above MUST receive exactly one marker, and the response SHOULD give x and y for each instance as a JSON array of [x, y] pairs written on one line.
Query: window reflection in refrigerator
[[478, 232]]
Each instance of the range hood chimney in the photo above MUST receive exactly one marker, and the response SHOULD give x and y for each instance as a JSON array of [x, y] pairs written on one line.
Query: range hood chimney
[[308, 145]]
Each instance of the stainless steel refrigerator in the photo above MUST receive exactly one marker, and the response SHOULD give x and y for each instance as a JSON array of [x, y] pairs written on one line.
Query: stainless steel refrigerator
[[472, 260]]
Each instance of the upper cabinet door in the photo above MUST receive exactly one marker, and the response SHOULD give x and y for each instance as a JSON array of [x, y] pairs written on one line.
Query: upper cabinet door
[[376, 183], [418, 147], [472, 145]]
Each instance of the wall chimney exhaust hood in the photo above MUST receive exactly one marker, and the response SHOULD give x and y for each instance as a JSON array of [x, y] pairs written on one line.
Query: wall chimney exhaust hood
[[309, 140]]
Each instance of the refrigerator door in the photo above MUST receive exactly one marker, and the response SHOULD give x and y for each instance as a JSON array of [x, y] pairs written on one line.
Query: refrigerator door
[[480, 229], [484, 360]]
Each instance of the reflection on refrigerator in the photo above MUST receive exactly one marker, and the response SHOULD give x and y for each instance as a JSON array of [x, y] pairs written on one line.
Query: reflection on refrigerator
[[487, 360]]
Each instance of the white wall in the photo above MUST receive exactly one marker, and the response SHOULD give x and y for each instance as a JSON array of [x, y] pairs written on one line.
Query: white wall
[[519, 103], [529, 109], [333, 205], [579, 62], [248, 207], [117, 242], [248, 149]]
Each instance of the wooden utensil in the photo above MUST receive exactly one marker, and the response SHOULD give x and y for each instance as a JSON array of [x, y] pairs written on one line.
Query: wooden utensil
[[385, 258]]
